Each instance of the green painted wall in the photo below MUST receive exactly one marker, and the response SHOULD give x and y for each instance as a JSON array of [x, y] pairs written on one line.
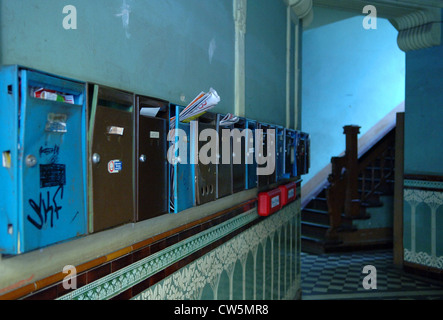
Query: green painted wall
[[266, 61], [423, 112], [163, 52], [170, 49]]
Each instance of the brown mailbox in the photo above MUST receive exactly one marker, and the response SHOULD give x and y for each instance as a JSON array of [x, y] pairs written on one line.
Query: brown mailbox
[[111, 158], [151, 168]]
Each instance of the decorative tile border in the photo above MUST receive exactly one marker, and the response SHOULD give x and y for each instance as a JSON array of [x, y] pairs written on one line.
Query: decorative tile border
[[117, 282], [189, 282], [423, 258], [423, 184]]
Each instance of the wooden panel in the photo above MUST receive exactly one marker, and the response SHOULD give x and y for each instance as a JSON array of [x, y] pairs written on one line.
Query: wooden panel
[[398, 190]]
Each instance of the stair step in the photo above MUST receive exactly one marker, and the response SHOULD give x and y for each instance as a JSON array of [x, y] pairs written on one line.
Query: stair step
[[319, 203], [315, 216], [314, 230], [312, 245]]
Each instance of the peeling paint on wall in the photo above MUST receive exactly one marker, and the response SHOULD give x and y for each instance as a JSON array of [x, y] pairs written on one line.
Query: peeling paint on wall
[[124, 14], [212, 48]]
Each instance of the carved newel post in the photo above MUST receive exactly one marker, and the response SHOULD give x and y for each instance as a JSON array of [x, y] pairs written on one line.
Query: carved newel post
[[352, 199]]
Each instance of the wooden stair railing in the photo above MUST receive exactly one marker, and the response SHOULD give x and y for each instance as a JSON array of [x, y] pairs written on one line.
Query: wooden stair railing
[[355, 182]]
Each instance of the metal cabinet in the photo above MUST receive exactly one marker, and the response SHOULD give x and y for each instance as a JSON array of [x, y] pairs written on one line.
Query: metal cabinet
[[43, 172], [111, 158], [224, 165], [151, 164], [181, 171]]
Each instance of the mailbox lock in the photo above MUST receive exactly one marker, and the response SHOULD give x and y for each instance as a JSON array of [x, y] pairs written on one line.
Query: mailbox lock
[[142, 158], [95, 158], [31, 161]]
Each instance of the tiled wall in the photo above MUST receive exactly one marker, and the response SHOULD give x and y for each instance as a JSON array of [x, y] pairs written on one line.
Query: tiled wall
[[235, 255], [423, 221], [261, 263]]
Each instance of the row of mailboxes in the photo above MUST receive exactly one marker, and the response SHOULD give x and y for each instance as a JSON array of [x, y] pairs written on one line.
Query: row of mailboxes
[[79, 158]]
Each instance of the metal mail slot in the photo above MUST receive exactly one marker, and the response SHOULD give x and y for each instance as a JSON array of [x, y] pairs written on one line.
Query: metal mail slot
[[111, 158], [181, 171], [263, 180], [251, 166], [291, 138], [268, 130], [43, 147], [151, 162], [205, 174], [272, 132], [238, 156], [224, 166], [303, 149], [280, 153]]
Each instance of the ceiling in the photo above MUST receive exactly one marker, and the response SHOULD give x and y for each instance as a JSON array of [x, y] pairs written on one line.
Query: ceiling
[[329, 11]]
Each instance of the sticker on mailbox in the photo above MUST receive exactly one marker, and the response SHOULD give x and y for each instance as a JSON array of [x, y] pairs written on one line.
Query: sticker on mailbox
[[115, 166], [275, 201], [291, 193]]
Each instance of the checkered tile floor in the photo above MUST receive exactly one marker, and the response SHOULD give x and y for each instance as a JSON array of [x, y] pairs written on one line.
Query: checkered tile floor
[[340, 276]]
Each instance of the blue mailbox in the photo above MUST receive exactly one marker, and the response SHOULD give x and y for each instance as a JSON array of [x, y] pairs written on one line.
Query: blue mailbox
[[181, 171], [43, 172]]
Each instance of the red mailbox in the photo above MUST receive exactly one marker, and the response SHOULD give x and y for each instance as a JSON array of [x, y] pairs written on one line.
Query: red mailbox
[[288, 193], [269, 202]]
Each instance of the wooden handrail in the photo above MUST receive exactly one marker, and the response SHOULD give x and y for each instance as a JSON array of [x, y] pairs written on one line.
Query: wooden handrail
[[350, 172]]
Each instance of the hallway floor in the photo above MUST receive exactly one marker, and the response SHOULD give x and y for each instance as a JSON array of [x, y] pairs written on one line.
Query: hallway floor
[[339, 276]]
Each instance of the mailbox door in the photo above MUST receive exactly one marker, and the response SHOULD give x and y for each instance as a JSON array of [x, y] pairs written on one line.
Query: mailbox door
[[251, 165], [181, 173], [112, 159], [290, 145], [224, 170], [272, 133], [238, 157], [280, 153], [152, 168], [205, 173], [263, 180], [52, 174]]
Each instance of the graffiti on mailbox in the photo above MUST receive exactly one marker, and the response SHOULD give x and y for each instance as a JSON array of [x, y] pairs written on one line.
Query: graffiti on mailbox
[[47, 208]]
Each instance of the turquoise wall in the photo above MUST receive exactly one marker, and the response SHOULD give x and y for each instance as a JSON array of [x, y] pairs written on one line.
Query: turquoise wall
[[170, 49], [424, 112], [265, 51], [423, 197], [350, 76]]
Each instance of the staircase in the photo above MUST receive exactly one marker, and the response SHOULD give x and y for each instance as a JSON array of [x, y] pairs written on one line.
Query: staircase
[[355, 185]]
